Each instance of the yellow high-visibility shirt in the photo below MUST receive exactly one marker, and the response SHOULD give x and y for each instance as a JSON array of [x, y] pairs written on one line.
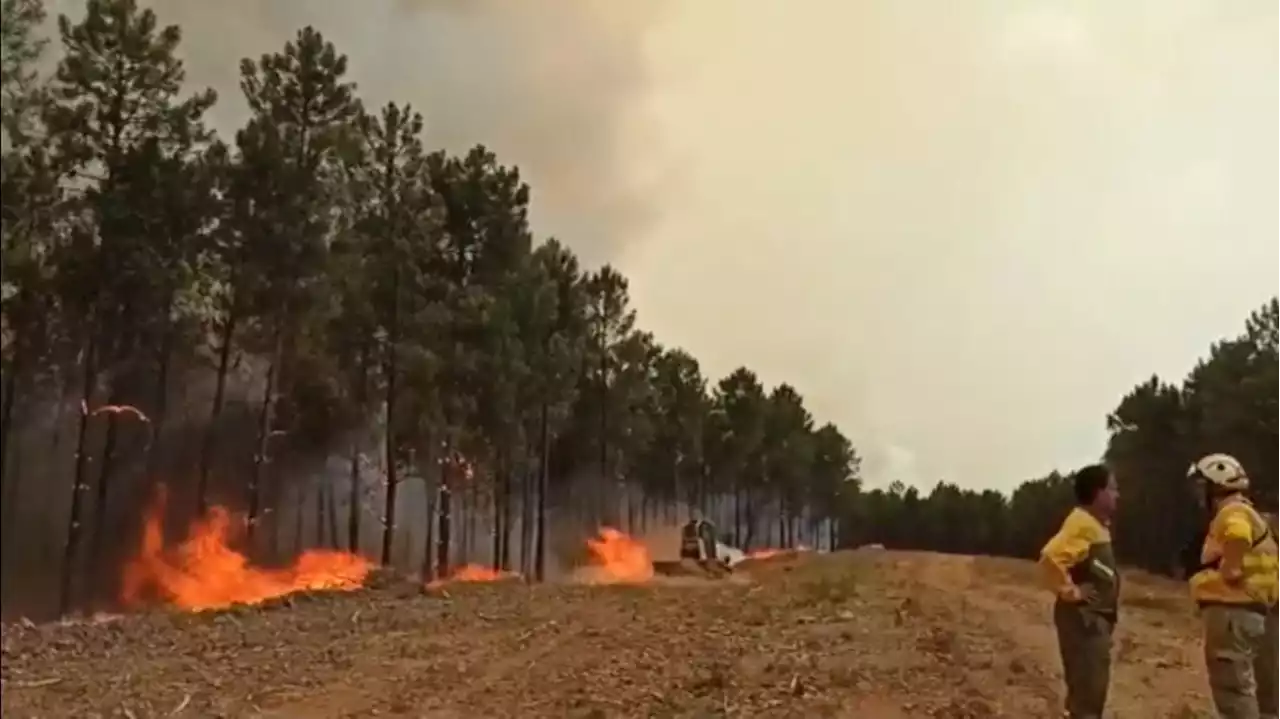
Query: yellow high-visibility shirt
[[1082, 538], [1237, 533]]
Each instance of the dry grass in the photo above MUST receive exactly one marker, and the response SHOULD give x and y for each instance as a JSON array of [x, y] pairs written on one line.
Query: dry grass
[[874, 635]]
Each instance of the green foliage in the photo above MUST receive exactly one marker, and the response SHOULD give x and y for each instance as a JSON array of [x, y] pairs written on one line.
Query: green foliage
[[20, 50]]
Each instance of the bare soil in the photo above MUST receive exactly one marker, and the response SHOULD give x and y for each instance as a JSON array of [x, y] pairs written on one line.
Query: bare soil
[[865, 635]]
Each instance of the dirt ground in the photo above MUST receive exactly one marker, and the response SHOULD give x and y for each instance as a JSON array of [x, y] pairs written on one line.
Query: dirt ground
[[866, 635]]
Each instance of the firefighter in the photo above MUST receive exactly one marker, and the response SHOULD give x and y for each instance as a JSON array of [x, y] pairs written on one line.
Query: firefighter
[[1235, 587], [1081, 568]]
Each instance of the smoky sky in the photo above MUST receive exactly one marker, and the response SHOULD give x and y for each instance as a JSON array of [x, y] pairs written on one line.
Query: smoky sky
[[552, 87], [961, 230], [964, 230]]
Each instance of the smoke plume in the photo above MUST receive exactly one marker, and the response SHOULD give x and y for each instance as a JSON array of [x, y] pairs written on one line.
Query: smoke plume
[[557, 88]]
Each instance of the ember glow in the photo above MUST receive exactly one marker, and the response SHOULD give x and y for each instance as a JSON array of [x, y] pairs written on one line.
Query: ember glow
[[617, 558], [204, 572], [473, 573], [769, 553]]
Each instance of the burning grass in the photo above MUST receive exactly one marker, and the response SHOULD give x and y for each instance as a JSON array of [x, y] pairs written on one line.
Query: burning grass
[[473, 573], [204, 571]]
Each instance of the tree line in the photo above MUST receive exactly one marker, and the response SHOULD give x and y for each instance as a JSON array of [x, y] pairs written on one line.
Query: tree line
[[359, 342], [1227, 403], [234, 315]]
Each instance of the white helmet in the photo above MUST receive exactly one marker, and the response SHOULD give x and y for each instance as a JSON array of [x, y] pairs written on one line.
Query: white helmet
[[1220, 470]]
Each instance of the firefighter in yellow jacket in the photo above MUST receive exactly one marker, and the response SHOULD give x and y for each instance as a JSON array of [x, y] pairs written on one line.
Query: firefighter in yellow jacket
[[1081, 569], [1235, 587]]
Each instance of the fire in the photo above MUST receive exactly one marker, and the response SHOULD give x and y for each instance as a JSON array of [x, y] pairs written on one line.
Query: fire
[[473, 573], [769, 553], [619, 559], [203, 572]]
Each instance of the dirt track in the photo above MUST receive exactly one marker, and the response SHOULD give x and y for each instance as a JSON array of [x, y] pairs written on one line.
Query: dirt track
[[871, 635]]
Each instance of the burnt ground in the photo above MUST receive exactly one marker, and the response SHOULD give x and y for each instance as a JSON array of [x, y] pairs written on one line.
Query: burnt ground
[[871, 635]]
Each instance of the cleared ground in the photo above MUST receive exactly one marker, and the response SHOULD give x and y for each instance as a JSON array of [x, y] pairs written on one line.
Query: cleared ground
[[871, 635]]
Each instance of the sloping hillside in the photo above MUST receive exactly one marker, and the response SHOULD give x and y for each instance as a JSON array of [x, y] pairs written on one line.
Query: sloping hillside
[[855, 634]]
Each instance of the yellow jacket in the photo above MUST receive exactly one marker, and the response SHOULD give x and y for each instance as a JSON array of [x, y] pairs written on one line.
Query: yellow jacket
[[1238, 558], [1080, 554]]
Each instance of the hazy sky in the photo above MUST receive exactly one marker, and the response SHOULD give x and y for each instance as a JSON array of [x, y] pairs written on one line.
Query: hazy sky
[[962, 230]]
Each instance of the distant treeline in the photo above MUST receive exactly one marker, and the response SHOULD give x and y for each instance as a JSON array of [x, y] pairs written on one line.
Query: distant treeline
[[1227, 403]]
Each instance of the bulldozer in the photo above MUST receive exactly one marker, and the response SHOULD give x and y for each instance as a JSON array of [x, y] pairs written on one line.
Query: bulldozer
[[701, 553]]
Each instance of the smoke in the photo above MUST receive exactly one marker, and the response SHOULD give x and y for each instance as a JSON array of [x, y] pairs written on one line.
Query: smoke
[[955, 232], [557, 88]]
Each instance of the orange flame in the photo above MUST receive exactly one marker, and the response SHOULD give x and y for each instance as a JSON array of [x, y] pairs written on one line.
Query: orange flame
[[619, 559], [769, 553], [473, 573], [203, 572]]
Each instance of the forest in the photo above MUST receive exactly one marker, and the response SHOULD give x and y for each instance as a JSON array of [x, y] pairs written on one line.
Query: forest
[[359, 342]]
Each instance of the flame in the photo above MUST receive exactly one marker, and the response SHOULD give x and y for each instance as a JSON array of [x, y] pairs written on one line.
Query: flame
[[473, 573], [617, 558], [203, 572], [769, 552]]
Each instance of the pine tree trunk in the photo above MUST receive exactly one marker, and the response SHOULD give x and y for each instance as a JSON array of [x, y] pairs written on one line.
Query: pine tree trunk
[[505, 534], [353, 511], [11, 384], [160, 413], [468, 544], [526, 518], [737, 514], [273, 530], [106, 469], [445, 521], [540, 537], [391, 370], [429, 540], [463, 550], [215, 412], [495, 554], [631, 507], [9, 505], [331, 514], [264, 436], [74, 520], [321, 513], [10, 480], [299, 511], [357, 507], [606, 482], [393, 488]]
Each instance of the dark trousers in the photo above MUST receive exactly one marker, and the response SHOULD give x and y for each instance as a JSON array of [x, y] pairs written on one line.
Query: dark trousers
[[1084, 641]]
